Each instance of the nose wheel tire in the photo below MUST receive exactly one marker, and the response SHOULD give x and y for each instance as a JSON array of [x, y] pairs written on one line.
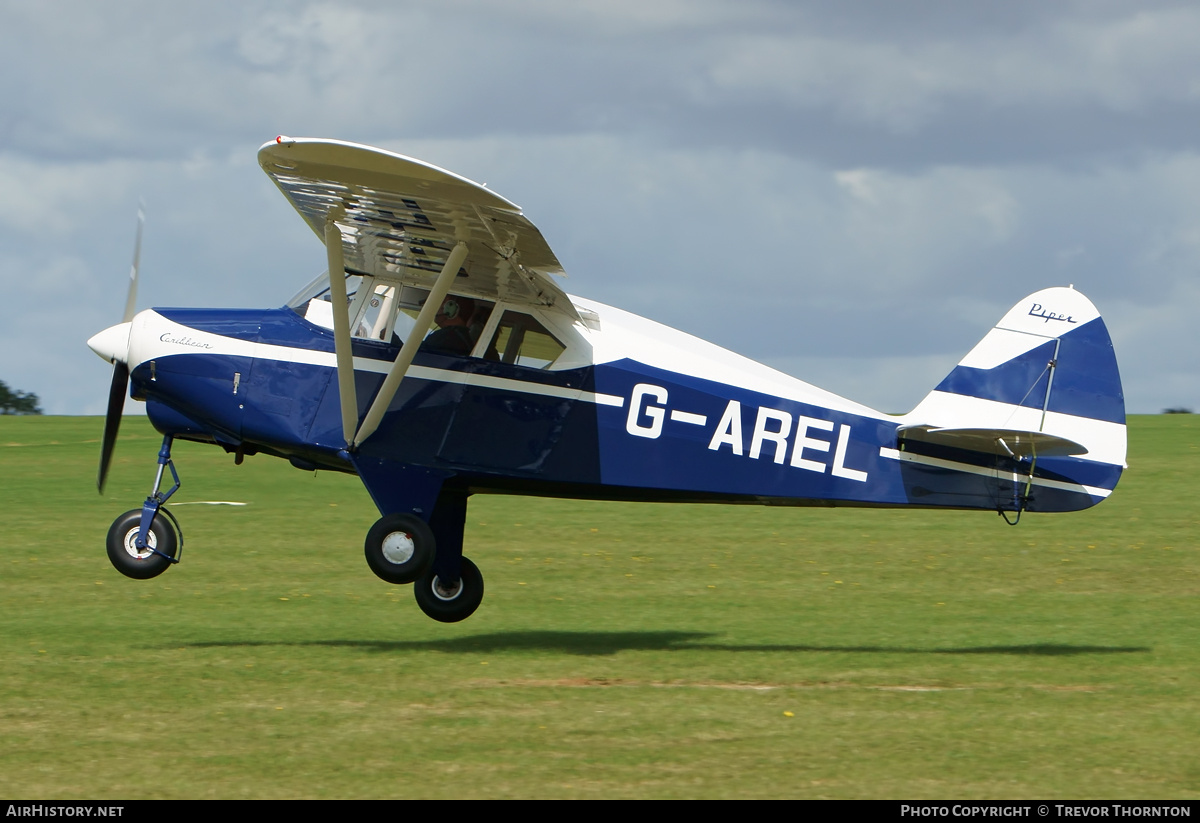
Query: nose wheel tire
[[399, 548], [141, 564], [454, 602]]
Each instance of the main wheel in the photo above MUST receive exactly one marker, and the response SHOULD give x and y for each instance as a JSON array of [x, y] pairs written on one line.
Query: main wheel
[[400, 548], [453, 603], [141, 564]]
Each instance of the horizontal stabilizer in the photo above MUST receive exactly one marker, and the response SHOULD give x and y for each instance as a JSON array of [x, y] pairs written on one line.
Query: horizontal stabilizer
[[1003, 442]]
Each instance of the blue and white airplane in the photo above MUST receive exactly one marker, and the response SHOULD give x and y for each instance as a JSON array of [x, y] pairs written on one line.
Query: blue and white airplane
[[524, 389]]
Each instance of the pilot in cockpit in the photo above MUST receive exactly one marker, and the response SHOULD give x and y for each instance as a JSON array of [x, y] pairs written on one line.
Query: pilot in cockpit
[[453, 335]]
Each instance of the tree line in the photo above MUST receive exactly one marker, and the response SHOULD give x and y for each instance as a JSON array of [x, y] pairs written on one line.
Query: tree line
[[18, 402]]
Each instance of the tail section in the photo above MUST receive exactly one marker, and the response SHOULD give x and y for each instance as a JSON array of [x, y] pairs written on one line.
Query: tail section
[[1034, 413]]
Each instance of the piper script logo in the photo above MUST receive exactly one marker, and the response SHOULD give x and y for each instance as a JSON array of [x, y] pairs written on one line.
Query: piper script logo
[[1047, 316]]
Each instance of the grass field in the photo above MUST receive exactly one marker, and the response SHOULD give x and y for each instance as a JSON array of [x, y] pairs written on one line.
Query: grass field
[[622, 650]]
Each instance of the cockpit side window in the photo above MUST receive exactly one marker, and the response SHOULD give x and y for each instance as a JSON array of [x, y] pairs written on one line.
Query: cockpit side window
[[522, 341], [376, 314], [457, 325]]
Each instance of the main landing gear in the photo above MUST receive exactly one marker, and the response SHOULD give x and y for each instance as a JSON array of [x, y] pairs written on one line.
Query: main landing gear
[[403, 548], [144, 543]]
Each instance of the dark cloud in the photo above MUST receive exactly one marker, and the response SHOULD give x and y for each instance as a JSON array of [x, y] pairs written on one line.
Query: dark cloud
[[794, 180]]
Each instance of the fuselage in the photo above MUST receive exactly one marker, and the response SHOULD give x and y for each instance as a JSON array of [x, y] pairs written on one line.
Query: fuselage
[[631, 410]]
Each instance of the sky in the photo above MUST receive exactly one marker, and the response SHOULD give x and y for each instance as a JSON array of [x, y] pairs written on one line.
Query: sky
[[850, 192]]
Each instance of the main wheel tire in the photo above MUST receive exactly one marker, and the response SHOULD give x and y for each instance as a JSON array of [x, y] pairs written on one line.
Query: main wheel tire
[[141, 564], [400, 548], [450, 604]]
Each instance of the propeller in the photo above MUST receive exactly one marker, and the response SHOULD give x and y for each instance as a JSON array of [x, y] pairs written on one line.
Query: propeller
[[113, 350], [112, 420]]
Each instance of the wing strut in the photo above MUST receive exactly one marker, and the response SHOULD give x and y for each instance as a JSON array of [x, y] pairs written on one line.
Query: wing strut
[[404, 359], [1051, 366], [341, 327]]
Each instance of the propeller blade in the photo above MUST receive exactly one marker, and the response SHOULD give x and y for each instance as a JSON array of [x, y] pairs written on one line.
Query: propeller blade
[[112, 420], [120, 377], [131, 297]]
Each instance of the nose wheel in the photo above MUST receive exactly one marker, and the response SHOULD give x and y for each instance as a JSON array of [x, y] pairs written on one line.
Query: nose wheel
[[162, 544], [143, 543]]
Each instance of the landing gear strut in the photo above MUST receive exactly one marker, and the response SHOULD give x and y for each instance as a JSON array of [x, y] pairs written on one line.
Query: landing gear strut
[[144, 543], [452, 589]]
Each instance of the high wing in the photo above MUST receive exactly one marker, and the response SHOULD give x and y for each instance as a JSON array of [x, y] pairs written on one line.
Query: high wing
[[400, 219]]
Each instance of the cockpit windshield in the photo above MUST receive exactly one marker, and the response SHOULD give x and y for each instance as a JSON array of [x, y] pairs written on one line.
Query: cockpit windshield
[[318, 285], [373, 306]]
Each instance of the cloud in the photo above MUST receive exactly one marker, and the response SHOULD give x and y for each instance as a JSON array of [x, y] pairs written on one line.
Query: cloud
[[810, 184]]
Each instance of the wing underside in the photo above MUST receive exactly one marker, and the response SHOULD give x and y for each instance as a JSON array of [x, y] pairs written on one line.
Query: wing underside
[[400, 218]]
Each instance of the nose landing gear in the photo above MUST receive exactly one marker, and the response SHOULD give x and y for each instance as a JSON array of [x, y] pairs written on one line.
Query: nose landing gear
[[143, 543]]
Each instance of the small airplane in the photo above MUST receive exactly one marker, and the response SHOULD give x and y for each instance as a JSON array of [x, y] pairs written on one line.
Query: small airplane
[[524, 389]]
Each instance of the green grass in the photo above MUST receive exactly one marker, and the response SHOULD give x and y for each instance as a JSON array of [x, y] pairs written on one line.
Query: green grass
[[622, 650]]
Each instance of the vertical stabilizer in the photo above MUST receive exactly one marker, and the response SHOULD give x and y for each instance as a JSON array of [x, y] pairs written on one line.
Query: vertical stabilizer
[[1041, 387]]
